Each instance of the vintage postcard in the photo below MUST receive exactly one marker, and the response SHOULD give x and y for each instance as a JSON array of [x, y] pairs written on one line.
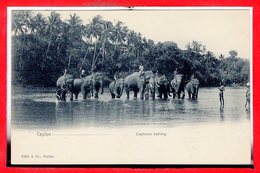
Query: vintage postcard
[[130, 86]]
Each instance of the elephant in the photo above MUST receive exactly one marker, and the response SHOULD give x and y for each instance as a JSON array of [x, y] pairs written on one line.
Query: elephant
[[86, 86], [76, 87], [63, 85], [136, 82], [178, 86], [81, 85], [116, 88], [162, 87], [97, 80], [192, 88]]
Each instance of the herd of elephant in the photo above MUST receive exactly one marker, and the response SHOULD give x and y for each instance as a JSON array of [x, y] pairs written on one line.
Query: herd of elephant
[[148, 85]]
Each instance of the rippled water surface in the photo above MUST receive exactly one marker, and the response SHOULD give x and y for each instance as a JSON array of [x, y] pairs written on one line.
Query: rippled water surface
[[38, 108]]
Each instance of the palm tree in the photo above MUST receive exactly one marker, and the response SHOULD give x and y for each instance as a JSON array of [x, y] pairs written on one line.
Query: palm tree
[[53, 28], [120, 33], [38, 24], [93, 31], [21, 21], [74, 33], [75, 26], [106, 36]]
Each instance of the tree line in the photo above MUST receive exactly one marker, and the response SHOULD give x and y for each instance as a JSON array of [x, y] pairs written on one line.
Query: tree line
[[43, 46]]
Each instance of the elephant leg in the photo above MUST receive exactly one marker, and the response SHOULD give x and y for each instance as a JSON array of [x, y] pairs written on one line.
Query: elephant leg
[[84, 94], [127, 92], [178, 95], [71, 96], [76, 96], [165, 95], [189, 95], [141, 95], [112, 95], [153, 95], [63, 95], [160, 94], [183, 95], [96, 93], [173, 94], [193, 96], [135, 94]]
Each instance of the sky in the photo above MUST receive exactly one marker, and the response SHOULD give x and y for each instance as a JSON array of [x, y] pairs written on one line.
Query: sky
[[220, 30]]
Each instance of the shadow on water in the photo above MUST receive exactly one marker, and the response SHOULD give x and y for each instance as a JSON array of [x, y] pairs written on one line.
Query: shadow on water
[[39, 110]]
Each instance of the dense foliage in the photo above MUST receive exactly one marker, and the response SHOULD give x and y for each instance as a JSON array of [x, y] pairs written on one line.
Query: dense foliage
[[43, 46]]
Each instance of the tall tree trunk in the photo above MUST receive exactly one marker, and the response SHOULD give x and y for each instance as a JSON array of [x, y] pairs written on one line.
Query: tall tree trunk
[[103, 51], [85, 56], [49, 44], [69, 61], [93, 59]]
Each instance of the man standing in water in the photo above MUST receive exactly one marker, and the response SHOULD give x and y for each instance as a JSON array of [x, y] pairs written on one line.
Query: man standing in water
[[221, 94], [247, 105]]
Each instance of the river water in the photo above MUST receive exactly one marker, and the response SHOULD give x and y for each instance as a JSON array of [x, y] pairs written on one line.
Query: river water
[[37, 107], [121, 131]]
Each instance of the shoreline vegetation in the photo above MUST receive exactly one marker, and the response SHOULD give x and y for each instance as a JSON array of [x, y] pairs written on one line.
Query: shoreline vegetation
[[43, 46]]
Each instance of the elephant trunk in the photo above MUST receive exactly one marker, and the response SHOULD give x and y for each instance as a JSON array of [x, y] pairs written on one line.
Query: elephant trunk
[[83, 91], [119, 91], [71, 89], [92, 88], [102, 86], [142, 92], [197, 91], [169, 89], [58, 93]]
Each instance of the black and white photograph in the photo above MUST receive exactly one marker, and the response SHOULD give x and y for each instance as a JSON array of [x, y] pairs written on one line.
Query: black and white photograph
[[130, 86]]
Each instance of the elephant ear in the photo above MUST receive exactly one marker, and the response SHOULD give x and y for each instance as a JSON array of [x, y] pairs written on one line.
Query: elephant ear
[[142, 78]]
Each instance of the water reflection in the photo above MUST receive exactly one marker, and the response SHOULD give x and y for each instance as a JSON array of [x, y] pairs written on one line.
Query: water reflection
[[39, 110], [221, 113], [248, 115]]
